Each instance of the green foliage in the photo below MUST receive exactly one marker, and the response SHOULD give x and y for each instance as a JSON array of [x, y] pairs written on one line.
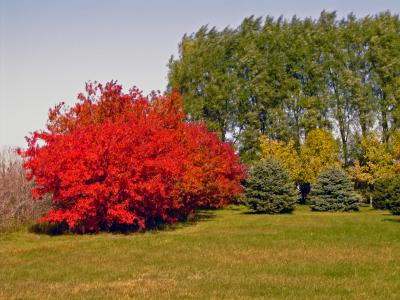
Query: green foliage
[[334, 191], [269, 188], [380, 193], [387, 194], [283, 78], [394, 206]]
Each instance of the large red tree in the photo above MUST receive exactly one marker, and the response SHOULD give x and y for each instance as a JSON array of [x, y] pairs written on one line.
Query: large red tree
[[122, 160]]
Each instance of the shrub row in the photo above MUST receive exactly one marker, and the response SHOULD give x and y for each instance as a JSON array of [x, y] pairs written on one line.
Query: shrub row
[[270, 190]]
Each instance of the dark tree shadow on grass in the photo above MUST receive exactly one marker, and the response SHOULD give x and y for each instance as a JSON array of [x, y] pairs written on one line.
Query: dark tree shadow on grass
[[391, 220], [234, 208], [251, 212], [49, 229], [203, 215]]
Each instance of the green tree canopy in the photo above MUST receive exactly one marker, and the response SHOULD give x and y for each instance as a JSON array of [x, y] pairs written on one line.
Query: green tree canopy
[[283, 78]]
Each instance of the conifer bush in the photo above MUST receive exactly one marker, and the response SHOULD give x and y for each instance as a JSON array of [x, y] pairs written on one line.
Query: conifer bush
[[380, 193], [387, 194], [269, 188], [334, 191]]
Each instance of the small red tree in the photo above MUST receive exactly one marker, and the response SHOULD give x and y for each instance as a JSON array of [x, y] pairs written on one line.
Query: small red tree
[[123, 160]]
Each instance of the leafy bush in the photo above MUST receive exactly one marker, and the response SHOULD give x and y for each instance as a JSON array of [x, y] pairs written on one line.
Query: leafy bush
[[394, 206], [387, 194], [334, 191], [118, 161], [269, 188]]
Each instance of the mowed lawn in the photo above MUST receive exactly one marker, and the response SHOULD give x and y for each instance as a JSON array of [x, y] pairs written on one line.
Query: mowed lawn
[[228, 254]]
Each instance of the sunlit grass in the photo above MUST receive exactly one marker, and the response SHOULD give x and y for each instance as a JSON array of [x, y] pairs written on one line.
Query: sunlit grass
[[227, 254]]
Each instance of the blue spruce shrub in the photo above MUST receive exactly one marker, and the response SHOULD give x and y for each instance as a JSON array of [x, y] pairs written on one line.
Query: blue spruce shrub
[[269, 189], [334, 191]]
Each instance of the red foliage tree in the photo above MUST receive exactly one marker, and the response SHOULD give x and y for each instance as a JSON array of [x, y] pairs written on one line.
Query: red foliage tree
[[122, 160]]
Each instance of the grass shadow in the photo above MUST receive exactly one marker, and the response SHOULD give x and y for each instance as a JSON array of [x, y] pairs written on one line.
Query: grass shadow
[[191, 220], [391, 220], [250, 212], [48, 229], [204, 215], [235, 207], [387, 214]]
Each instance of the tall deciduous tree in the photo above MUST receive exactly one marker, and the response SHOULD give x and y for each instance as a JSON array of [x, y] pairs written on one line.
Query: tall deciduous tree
[[283, 78], [319, 152], [375, 162], [384, 56], [285, 153]]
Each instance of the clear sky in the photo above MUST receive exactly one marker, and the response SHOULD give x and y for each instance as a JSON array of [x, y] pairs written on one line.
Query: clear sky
[[49, 49]]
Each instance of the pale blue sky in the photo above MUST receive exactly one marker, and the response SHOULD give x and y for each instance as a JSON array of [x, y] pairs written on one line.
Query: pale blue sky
[[48, 49]]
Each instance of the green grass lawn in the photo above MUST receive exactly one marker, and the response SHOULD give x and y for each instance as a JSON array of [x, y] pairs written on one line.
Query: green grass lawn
[[228, 254]]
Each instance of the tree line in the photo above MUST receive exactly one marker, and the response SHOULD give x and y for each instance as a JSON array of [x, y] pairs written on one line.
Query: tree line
[[283, 78]]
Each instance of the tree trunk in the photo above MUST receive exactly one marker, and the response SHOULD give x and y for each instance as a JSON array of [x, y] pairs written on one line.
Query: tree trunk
[[305, 189], [345, 153], [385, 127]]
